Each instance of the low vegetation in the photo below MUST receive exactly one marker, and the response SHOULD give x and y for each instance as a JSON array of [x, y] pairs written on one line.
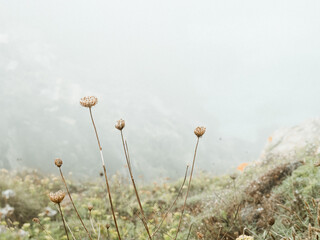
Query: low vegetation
[[274, 199]]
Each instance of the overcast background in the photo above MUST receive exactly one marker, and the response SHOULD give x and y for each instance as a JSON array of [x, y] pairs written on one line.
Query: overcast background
[[241, 68]]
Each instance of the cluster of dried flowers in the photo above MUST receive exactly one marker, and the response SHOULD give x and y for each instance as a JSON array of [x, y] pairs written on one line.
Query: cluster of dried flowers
[[58, 197]]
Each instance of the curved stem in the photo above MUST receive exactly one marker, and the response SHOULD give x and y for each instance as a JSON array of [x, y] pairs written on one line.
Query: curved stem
[[64, 224], [105, 175], [65, 184], [189, 185], [144, 220]]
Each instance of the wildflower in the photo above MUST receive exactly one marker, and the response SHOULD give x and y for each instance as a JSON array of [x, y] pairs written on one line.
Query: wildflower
[[48, 211], [242, 166], [8, 193], [120, 124], [58, 162], [199, 131], [6, 211], [89, 101], [245, 237], [57, 197]]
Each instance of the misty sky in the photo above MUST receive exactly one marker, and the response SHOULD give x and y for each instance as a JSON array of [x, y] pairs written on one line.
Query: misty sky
[[241, 68]]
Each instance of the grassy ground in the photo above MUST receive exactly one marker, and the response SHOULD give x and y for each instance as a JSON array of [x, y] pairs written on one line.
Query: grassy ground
[[278, 199]]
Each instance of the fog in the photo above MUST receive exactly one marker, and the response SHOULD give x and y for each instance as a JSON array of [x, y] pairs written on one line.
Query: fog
[[241, 68]]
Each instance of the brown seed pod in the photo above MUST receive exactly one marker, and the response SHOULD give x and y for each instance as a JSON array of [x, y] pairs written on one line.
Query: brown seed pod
[[88, 101], [271, 221], [90, 207], [200, 235], [57, 197], [107, 226], [36, 220], [199, 131], [120, 124], [58, 162]]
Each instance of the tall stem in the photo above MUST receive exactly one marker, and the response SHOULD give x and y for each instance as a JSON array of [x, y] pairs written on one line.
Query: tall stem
[[105, 175], [64, 224], [65, 184], [189, 185], [134, 186]]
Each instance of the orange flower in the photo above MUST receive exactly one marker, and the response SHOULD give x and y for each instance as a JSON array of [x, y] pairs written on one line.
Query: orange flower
[[270, 139], [242, 166]]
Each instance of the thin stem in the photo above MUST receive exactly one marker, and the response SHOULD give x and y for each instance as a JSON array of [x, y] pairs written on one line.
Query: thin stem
[[99, 232], [105, 175], [95, 129], [189, 185], [90, 217], [189, 231], [65, 184], [173, 203], [68, 227], [64, 224], [134, 185]]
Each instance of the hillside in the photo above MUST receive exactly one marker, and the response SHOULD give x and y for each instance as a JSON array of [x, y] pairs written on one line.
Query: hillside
[[276, 197]]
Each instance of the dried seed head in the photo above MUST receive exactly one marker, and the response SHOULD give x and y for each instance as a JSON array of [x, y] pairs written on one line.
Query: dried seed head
[[58, 162], [90, 207], [36, 220], [199, 131], [200, 235], [57, 197], [233, 176], [89, 101], [120, 124], [271, 221], [107, 226]]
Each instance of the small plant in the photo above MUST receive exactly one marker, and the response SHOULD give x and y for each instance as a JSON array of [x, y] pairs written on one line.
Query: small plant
[[57, 198], [89, 102]]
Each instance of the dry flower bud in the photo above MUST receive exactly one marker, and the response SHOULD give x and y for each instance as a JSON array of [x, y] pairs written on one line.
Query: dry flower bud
[[107, 226], [120, 124], [271, 221], [36, 220], [89, 101], [233, 176], [58, 162], [90, 207], [57, 197], [199, 131], [200, 235]]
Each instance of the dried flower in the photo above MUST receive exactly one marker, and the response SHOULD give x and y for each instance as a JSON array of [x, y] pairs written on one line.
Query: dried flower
[[36, 220], [199, 131], [245, 237], [200, 235], [90, 207], [58, 162], [233, 176], [89, 101], [107, 226], [57, 197], [271, 221], [120, 124]]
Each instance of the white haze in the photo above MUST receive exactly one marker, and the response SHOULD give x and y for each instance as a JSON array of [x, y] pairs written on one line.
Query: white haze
[[241, 68]]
